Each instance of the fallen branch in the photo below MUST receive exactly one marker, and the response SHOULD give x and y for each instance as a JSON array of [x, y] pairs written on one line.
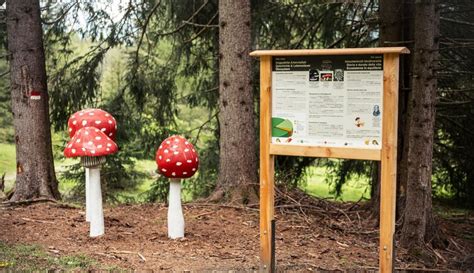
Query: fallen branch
[[37, 221], [130, 253], [27, 202]]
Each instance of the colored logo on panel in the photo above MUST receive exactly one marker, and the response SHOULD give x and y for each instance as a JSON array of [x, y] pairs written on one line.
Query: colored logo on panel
[[281, 127]]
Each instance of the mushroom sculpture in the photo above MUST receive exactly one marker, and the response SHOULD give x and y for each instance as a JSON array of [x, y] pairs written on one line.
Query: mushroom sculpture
[[92, 145], [99, 119], [176, 159]]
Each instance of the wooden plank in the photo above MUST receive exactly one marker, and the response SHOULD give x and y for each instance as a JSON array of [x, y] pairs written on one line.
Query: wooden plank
[[332, 51], [389, 162], [317, 151], [266, 164]]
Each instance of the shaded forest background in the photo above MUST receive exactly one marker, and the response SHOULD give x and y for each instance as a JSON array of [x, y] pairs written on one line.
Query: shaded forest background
[[154, 65]]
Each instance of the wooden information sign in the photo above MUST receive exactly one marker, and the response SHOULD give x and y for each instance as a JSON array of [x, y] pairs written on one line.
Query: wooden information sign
[[332, 103]]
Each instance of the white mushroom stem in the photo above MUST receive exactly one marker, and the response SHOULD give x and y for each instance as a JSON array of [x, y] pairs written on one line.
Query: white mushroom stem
[[94, 211], [175, 212], [88, 199], [94, 202]]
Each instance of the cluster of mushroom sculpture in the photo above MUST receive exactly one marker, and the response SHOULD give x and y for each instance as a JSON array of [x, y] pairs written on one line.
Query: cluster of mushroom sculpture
[[92, 133]]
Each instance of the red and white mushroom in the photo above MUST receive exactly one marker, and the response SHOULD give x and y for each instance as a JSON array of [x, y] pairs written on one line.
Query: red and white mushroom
[[176, 158], [97, 118], [92, 145]]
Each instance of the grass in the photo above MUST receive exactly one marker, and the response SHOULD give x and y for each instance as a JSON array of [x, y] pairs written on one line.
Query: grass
[[353, 190], [34, 258], [7, 158]]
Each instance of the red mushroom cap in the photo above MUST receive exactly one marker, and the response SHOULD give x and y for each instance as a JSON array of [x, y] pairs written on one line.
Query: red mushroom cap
[[90, 141], [92, 118], [177, 158]]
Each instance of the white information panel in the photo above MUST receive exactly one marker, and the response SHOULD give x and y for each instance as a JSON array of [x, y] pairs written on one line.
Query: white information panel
[[333, 101]]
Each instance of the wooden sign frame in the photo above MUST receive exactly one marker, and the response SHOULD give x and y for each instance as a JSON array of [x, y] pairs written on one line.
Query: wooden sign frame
[[387, 154]]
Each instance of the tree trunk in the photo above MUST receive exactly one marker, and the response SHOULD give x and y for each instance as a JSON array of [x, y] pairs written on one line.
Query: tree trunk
[[391, 32], [35, 166], [396, 30], [237, 143], [418, 216]]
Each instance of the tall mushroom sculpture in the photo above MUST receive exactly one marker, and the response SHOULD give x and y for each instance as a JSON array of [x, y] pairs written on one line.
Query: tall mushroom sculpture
[[92, 145], [92, 117], [176, 159]]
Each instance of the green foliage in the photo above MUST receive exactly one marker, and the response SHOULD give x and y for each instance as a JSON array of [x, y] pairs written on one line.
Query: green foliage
[[453, 158], [341, 171], [6, 117]]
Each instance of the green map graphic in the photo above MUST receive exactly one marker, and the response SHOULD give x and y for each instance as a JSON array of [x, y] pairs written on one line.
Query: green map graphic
[[281, 127]]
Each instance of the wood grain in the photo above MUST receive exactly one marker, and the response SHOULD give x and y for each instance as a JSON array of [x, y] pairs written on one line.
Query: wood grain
[[266, 164], [332, 51], [389, 162], [332, 152]]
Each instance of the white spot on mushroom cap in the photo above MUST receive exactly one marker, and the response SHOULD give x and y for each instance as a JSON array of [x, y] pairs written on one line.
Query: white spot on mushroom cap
[[194, 169], [78, 140], [90, 143], [103, 129], [164, 170], [110, 121], [69, 146], [175, 152], [175, 146], [173, 174], [81, 114], [73, 151], [70, 129], [160, 157], [168, 142], [111, 134], [107, 149], [84, 122], [107, 115], [99, 146], [98, 138], [189, 161], [83, 149], [109, 145], [98, 122], [74, 122], [168, 160], [179, 163], [91, 113], [186, 143], [86, 133], [185, 173], [186, 150], [165, 151], [93, 151]]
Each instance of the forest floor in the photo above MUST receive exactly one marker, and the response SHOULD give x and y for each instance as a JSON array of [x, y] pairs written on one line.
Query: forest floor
[[318, 236]]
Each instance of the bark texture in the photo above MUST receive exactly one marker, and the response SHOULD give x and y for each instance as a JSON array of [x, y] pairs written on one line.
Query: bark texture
[[419, 225], [238, 160], [35, 166], [396, 29]]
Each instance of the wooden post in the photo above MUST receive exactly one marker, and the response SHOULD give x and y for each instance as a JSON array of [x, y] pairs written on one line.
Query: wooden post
[[266, 164], [389, 162]]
